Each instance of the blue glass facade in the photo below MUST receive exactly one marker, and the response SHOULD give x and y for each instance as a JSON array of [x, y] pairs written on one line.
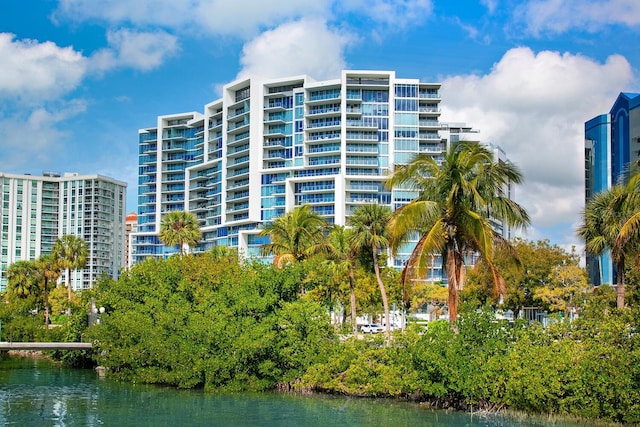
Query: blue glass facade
[[612, 142], [598, 177]]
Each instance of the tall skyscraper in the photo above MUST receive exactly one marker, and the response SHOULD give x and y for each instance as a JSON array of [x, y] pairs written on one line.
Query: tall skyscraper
[[612, 142], [267, 146], [36, 210]]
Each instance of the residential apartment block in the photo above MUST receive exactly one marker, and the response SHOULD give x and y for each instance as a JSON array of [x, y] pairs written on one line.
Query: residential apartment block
[[267, 146], [130, 227], [612, 142], [36, 210]]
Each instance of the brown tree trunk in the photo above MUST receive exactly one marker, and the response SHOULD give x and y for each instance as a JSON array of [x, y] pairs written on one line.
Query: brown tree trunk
[[620, 286], [352, 291], [46, 302], [69, 289], [383, 292], [452, 279]]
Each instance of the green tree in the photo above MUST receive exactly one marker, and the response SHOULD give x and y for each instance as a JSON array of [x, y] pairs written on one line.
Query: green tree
[[369, 224], [453, 212], [342, 255], [71, 253], [603, 219], [294, 236], [567, 288], [49, 268], [180, 228], [22, 278], [537, 263], [629, 235]]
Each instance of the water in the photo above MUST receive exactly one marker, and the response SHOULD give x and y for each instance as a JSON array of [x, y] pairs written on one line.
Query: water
[[37, 393]]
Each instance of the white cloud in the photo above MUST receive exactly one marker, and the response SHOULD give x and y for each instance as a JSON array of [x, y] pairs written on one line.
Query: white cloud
[[34, 137], [557, 16], [534, 106], [138, 50], [239, 18], [491, 5], [301, 47], [472, 32], [244, 18], [34, 71]]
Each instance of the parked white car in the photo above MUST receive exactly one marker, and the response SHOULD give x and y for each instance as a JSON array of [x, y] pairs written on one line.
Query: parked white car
[[371, 328]]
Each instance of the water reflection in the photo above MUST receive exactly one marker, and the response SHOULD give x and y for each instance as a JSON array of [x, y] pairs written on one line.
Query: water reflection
[[35, 393]]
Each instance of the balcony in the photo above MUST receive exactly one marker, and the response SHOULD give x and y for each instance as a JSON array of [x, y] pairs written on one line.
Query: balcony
[[430, 110], [237, 207], [362, 148], [360, 124], [311, 199], [362, 136], [237, 127], [277, 155], [330, 110], [429, 136], [237, 184], [238, 149], [325, 136], [277, 142], [327, 148], [238, 195], [238, 172], [278, 118], [215, 124], [322, 95], [324, 124]]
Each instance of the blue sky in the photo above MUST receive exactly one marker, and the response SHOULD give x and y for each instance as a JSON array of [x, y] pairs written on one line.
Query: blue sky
[[78, 78]]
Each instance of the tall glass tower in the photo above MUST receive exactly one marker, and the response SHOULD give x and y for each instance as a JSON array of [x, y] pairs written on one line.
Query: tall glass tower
[[612, 142]]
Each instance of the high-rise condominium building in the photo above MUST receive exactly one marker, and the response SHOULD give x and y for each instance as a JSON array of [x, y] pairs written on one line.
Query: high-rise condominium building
[[130, 227], [37, 210], [612, 143], [267, 146]]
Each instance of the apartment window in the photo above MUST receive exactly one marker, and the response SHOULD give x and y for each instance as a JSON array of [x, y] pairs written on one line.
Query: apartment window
[[243, 94], [406, 90]]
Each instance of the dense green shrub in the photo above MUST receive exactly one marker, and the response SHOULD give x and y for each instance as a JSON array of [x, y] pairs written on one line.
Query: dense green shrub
[[18, 322], [209, 321], [589, 368]]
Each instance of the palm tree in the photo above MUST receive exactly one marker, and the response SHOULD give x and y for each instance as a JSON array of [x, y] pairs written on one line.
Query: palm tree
[[630, 230], [342, 255], [180, 228], [610, 222], [71, 253], [294, 236], [369, 224], [453, 213], [49, 268], [22, 278]]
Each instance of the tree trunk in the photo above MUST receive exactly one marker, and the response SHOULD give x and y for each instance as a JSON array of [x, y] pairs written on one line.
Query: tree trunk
[[452, 279], [46, 302], [620, 286], [352, 291], [383, 292], [69, 290]]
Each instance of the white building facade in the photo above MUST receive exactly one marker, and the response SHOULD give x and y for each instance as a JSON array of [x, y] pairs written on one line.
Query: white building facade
[[37, 210], [268, 146]]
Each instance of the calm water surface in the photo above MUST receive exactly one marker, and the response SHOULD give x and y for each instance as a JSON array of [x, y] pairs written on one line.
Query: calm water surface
[[36, 393]]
